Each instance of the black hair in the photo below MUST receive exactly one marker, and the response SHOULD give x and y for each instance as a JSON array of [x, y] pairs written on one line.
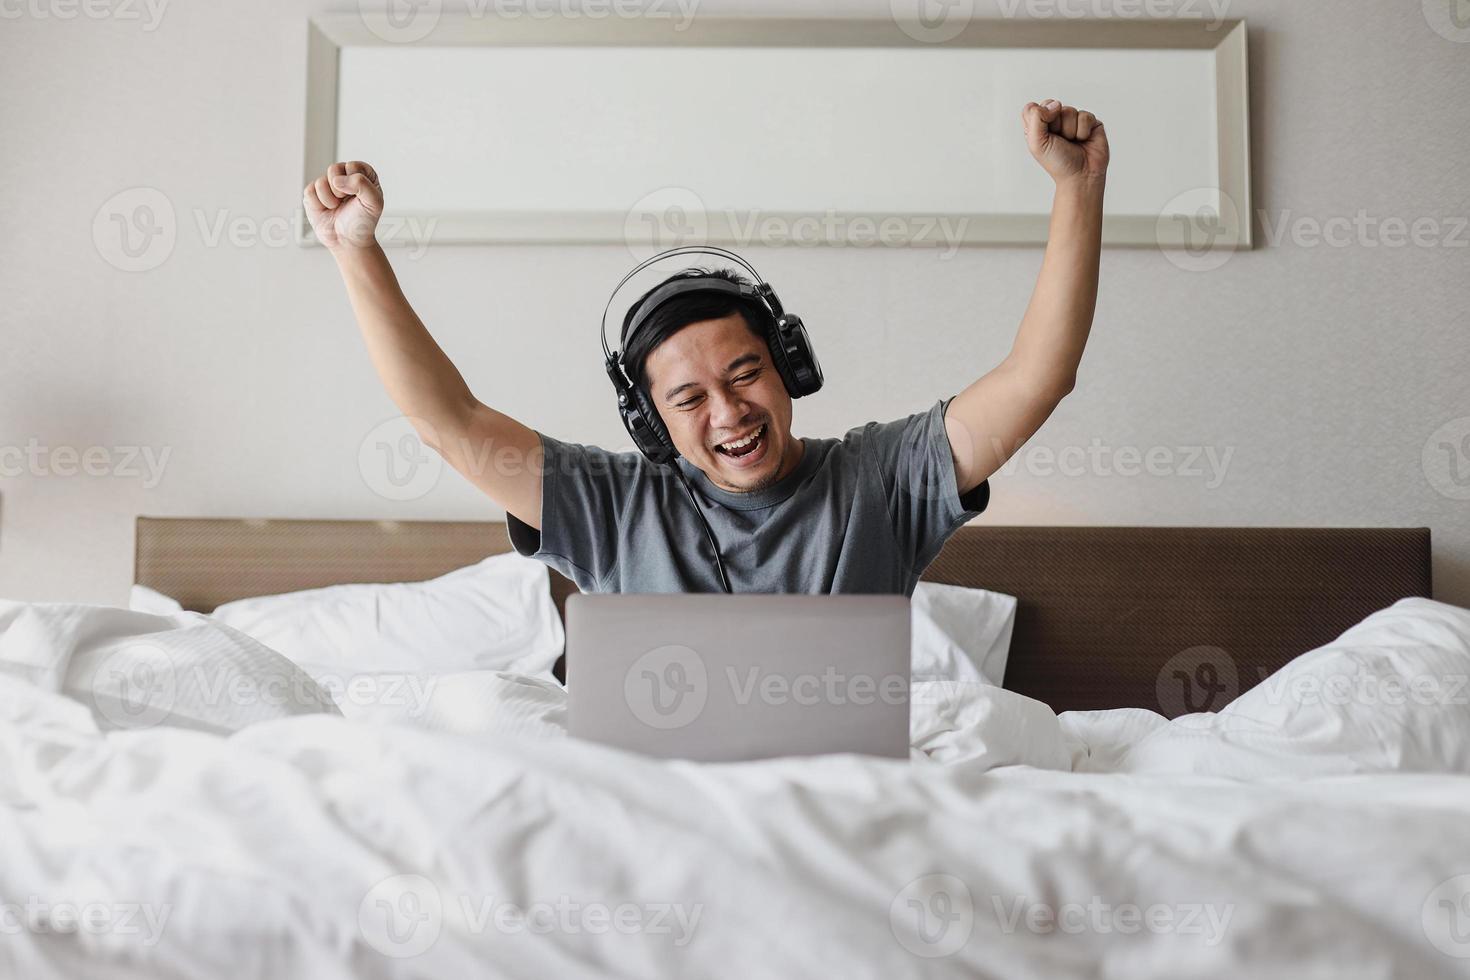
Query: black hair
[[693, 307]]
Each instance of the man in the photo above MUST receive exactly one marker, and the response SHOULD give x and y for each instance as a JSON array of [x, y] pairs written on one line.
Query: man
[[866, 513]]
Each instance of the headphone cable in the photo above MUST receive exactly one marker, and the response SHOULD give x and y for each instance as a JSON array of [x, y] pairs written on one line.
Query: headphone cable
[[708, 533]]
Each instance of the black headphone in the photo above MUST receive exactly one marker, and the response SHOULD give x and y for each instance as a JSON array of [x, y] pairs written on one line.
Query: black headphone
[[791, 349]]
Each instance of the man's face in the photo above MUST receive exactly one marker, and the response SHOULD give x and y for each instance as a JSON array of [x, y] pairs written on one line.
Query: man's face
[[713, 384]]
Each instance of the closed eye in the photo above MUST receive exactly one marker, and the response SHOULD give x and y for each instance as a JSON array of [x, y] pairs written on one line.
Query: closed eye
[[745, 378]]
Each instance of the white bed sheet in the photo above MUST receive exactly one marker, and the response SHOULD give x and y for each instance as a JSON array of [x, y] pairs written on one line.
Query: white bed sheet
[[383, 845]]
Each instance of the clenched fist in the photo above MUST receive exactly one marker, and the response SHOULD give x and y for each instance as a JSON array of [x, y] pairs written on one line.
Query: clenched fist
[[344, 205], [1068, 143]]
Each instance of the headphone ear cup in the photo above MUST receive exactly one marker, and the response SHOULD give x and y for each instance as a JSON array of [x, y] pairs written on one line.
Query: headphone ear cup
[[796, 362], [640, 418], [778, 358], [653, 438]]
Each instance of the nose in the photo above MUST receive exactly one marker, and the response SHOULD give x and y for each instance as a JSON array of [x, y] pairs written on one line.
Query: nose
[[727, 411]]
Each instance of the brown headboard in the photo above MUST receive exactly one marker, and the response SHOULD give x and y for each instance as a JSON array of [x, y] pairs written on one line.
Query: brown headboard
[[1172, 619]]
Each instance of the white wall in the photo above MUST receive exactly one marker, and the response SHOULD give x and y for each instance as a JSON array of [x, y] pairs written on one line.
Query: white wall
[[1323, 371]]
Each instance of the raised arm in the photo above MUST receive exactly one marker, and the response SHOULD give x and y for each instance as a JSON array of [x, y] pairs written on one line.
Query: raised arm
[[491, 449], [990, 420]]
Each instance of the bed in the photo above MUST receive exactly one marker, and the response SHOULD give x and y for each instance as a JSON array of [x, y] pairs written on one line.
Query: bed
[[1095, 816]]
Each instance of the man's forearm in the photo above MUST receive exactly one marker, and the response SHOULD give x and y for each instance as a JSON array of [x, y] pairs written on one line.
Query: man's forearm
[[1053, 332], [419, 377]]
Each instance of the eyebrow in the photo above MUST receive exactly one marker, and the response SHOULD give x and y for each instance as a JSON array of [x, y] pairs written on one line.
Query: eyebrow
[[740, 361]]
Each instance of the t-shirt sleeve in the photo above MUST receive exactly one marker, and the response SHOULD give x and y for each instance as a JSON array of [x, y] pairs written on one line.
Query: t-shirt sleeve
[[916, 466], [583, 491]]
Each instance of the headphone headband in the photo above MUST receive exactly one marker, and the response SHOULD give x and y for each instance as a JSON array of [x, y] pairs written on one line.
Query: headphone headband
[[667, 253], [692, 284]]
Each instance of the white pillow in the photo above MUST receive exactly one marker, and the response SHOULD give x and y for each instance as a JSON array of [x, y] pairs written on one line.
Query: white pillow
[[136, 670], [144, 599], [959, 634], [494, 615], [986, 726], [1392, 693]]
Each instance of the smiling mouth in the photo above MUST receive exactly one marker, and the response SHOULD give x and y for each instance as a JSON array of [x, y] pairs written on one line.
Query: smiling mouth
[[744, 446]]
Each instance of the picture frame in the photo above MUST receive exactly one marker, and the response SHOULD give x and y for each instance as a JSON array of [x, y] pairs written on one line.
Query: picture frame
[[1174, 95]]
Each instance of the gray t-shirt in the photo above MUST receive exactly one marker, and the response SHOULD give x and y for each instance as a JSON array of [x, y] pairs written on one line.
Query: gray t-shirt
[[862, 514]]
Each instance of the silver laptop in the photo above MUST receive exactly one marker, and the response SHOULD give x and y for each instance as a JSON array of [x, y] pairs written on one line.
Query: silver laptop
[[722, 678]]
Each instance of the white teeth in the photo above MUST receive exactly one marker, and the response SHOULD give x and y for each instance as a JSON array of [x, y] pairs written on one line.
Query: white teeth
[[740, 443]]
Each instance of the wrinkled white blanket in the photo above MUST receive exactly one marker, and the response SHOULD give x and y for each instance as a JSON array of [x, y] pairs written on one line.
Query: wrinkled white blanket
[[459, 833]]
